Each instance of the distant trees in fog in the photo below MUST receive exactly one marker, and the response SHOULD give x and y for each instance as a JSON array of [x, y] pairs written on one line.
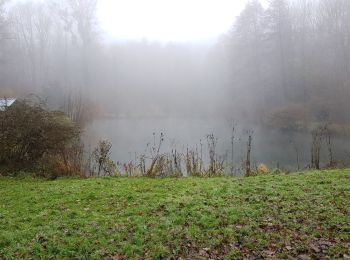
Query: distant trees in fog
[[4, 42], [3, 24], [289, 63], [56, 51], [50, 47], [293, 54]]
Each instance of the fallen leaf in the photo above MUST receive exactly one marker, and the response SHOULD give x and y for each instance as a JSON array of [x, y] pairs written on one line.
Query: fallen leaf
[[315, 248]]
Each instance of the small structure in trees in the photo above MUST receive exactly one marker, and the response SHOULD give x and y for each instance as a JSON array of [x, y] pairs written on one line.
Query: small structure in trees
[[6, 103]]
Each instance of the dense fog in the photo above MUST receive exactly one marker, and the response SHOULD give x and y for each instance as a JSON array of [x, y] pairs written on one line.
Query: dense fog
[[282, 71]]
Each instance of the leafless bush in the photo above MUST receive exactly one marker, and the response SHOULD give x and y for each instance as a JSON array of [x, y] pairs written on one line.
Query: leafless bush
[[176, 161], [155, 156], [193, 163], [153, 163], [164, 166], [101, 164], [130, 169], [216, 163]]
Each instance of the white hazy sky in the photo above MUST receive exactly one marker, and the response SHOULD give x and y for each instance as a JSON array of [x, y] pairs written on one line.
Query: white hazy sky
[[168, 20]]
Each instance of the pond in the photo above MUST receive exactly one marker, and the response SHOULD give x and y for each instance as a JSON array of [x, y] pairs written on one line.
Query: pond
[[132, 137]]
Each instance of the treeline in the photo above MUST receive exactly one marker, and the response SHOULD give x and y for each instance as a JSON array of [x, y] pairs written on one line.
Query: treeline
[[48, 48], [57, 50], [46, 43], [286, 64], [290, 62]]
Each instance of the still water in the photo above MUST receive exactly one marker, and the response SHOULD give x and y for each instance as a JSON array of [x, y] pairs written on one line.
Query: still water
[[272, 147]]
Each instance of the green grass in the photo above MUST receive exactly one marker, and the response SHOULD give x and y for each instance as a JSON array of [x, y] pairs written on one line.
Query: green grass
[[275, 216]]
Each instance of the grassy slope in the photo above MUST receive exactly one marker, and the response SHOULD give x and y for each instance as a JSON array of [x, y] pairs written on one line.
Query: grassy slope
[[270, 216]]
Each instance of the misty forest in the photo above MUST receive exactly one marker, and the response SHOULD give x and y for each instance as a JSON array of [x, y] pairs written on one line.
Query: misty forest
[[267, 98], [281, 73]]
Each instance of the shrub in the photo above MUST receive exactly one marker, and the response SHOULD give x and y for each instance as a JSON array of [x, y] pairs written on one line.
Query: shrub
[[262, 169], [100, 162], [30, 133]]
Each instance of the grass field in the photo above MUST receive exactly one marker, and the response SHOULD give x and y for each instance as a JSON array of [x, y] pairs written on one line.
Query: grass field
[[278, 216]]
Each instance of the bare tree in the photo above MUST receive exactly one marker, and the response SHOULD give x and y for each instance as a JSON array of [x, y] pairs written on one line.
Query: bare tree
[[79, 108], [232, 148], [4, 41], [4, 34], [279, 32], [31, 26], [83, 13], [328, 137], [317, 138], [249, 149]]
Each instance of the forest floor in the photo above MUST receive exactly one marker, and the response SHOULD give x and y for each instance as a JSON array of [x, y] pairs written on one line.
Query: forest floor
[[301, 215]]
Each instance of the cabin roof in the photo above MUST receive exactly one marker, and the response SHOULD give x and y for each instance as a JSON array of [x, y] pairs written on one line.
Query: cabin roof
[[6, 102]]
